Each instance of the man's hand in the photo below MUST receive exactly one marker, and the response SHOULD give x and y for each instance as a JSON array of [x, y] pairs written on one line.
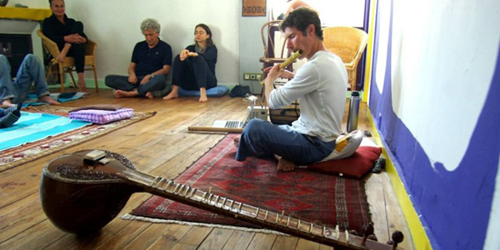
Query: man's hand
[[275, 72], [132, 79], [145, 79], [282, 73]]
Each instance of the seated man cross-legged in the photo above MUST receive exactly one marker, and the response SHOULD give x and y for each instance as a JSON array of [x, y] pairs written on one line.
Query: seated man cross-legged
[[320, 85], [151, 60], [16, 91]]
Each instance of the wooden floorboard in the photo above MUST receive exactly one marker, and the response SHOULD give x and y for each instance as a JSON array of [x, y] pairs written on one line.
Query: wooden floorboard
[[161, 145]]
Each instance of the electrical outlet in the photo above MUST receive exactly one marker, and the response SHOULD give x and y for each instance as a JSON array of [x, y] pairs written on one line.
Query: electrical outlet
[[246, 76], [252, 76], [258, 76]]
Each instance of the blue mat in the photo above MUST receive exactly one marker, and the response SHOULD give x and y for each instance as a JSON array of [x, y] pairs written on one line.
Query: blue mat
[[60, 97], [36, 126]]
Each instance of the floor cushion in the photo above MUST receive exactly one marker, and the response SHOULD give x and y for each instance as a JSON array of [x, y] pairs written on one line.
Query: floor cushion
[[346, 145], [101, 116], [356, 165], [213, 92]]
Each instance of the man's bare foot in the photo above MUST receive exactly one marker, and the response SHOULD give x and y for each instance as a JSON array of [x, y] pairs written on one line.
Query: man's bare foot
[[7, 103], [121, 93], [203, 99], [117, 94], [149, 95], [284, 164], [171, 96], [47, 99], [237, 141]]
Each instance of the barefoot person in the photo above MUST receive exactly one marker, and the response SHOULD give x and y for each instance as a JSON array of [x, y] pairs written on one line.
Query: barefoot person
[[16, 91], [320, 85], [150, 65], [194, 67], [69, 37]]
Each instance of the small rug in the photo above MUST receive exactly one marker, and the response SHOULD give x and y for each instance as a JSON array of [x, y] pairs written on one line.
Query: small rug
[[15, 156], [320, 198]]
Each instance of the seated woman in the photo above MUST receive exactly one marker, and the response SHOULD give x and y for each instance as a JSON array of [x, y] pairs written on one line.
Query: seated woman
[[69, 37], [194, 67]]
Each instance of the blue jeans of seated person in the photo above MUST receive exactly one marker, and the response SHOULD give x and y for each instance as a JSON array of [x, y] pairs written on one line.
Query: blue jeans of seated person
[[261, 138], [192, 74], [30, 71], [159, 82]]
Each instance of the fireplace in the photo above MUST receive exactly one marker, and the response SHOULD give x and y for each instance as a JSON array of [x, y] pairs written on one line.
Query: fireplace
[[18, 37], [15, 47]]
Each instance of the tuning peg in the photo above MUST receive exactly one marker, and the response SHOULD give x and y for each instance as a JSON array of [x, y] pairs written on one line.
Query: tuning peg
[[367, 231], [397, 237]]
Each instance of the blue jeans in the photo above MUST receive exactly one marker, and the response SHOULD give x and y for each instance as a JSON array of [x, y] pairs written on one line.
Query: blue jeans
[[159, 82], [261, 138], [30, 71]]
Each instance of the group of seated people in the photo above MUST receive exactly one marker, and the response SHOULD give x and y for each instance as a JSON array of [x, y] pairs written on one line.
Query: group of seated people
[[320, 84], [193, 69]]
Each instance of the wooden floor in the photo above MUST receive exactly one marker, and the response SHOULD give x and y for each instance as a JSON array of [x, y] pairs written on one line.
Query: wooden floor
[[161, 146]]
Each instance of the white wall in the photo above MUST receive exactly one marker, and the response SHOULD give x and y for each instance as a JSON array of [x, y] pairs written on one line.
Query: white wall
[[115, 26]]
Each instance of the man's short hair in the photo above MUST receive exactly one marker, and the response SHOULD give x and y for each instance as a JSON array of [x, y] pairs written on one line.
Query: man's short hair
[[150, 24], [300, 19]]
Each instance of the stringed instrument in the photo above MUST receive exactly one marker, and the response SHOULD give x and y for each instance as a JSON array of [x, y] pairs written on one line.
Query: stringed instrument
[[82, 192]]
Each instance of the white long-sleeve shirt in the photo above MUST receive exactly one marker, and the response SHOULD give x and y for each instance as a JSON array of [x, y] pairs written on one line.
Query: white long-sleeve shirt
[[320, 85]]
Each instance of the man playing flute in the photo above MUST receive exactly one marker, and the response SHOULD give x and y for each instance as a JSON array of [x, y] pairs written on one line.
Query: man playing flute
[[320, 85]]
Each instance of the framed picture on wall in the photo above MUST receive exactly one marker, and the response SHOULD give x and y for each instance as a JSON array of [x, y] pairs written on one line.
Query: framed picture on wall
[[254, 8]]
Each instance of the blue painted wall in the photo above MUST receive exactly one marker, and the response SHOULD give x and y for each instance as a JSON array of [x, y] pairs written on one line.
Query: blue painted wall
[[454, 203]]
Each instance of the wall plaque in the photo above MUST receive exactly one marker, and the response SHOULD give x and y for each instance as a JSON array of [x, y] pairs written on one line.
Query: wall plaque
[[254, 8]]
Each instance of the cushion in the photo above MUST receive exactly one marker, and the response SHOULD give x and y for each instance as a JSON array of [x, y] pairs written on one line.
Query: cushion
[[213, 92], [101, 116], [355, 166], [346, 145]]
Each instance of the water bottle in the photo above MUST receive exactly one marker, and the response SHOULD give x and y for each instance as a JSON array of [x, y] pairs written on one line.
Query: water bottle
[[352, 118]]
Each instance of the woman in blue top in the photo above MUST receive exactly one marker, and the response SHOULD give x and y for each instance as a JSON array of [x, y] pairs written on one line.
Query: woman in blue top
[[194, 67]]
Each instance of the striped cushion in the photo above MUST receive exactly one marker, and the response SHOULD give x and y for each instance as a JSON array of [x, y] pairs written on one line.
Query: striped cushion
[[101, 116]]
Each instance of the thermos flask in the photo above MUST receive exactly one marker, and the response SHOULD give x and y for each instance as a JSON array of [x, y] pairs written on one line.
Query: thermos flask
[[352, 118]]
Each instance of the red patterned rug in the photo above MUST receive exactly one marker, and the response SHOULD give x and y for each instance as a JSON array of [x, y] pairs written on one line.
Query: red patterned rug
[[312, 196], [13, 157]]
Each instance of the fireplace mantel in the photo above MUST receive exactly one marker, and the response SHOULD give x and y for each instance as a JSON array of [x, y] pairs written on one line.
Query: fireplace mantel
[[24, 13]]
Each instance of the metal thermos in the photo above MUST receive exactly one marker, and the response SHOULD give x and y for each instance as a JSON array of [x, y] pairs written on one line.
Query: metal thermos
[[352, 119]]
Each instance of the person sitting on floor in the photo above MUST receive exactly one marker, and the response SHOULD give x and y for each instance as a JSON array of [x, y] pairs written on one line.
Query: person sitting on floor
[[30, 71], [69, 37], [194, 67], [10, 115], [151, 60], [320, 85]]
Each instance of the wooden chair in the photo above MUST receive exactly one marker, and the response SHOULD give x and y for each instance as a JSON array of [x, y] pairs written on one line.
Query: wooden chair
[[68, 65], [349, 44], [268, 32], [274, 49]]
